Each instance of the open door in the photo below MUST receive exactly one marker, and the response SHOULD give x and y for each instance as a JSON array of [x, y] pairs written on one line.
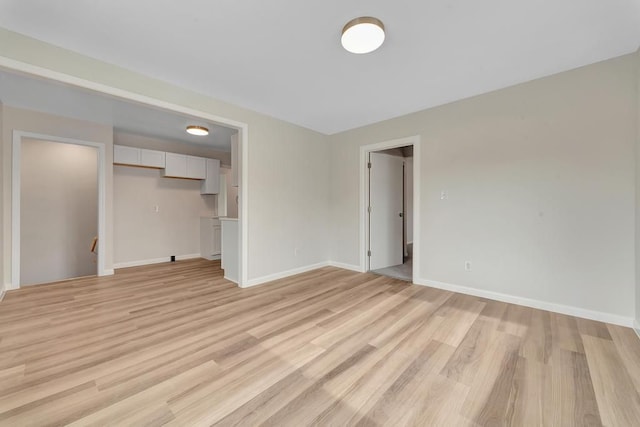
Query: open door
[[385, 210]]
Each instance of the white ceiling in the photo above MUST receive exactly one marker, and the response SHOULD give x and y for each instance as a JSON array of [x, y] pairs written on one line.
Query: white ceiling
[[60, 99], [283, 57]]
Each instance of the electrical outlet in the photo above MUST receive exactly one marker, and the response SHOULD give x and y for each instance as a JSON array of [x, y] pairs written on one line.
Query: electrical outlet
[[156, 208], [443, 195], [467, 265], [296, 252]]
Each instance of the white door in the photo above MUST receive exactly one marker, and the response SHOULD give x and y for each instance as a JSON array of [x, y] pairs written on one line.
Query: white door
[[385, 217]]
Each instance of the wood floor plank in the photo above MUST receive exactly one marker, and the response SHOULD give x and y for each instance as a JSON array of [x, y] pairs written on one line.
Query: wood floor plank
[[470, 355], [618, 400], [628, 346], [177, 344], [537, 343], [489, 399], [402, 395]]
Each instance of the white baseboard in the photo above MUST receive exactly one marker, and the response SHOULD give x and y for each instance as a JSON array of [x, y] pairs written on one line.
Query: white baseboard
[[636, 327], [108, 272], [152, 261], [282, 275], [234, 280], [527, 302], [2, 292], [346, 266]]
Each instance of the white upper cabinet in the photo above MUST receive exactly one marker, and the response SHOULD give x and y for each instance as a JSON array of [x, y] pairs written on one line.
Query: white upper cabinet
[[123, 155], [133, 156], [152, 158], [211, 184], [234, 160], [175, 165], [183, 166], [196, 167]]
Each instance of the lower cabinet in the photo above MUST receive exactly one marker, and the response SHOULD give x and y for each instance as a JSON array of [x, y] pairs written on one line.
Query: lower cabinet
[[230, 262], [210, 238]]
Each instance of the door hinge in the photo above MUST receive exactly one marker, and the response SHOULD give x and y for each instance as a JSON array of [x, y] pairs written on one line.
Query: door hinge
[[369, 165], [368, 253], [369, 209]]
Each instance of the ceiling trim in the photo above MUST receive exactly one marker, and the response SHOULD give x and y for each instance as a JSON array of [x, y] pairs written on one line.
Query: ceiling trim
[[243, 137]]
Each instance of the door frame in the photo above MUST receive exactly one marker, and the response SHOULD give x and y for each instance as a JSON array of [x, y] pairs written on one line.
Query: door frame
[[364, 197], [16, 194], [243, 142]]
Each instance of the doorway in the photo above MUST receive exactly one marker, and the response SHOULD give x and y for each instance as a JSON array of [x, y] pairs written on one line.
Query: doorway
[[390, 179], [59, 211], [58, 191], [389, 204]]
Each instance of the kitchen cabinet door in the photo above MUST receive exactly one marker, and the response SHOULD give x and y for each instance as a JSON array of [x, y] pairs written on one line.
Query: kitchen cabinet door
[[196, 167], [152, 158], [124, 155], [175, 165]]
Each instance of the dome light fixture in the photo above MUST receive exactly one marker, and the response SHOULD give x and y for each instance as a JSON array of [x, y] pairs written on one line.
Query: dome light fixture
[[363, 35], [197, 130]]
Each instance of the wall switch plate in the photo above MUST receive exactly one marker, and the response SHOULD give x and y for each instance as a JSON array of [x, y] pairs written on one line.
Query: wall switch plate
[[443, 195], [467, 265]]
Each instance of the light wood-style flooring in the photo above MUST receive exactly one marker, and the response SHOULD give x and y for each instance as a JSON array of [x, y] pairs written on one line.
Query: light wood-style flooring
[[176, 344]]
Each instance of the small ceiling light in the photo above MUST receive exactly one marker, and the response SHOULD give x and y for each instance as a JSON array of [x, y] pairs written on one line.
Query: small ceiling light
[[197, 130], [363, 35]]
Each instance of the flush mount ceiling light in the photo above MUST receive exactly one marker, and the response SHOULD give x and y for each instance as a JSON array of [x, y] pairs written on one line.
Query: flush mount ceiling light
[[197, 130], [363, 35]]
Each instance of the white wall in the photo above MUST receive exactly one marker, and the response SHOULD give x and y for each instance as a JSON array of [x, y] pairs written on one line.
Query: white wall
[[58, 211], [288, 186], [540, 183], [47, 124], [141, 234]]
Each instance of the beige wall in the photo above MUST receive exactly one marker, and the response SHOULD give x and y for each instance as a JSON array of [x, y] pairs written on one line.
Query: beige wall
[[287, 191], [46, 124], [141, 233], [540, 183], [288, 198], [58, 211]]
